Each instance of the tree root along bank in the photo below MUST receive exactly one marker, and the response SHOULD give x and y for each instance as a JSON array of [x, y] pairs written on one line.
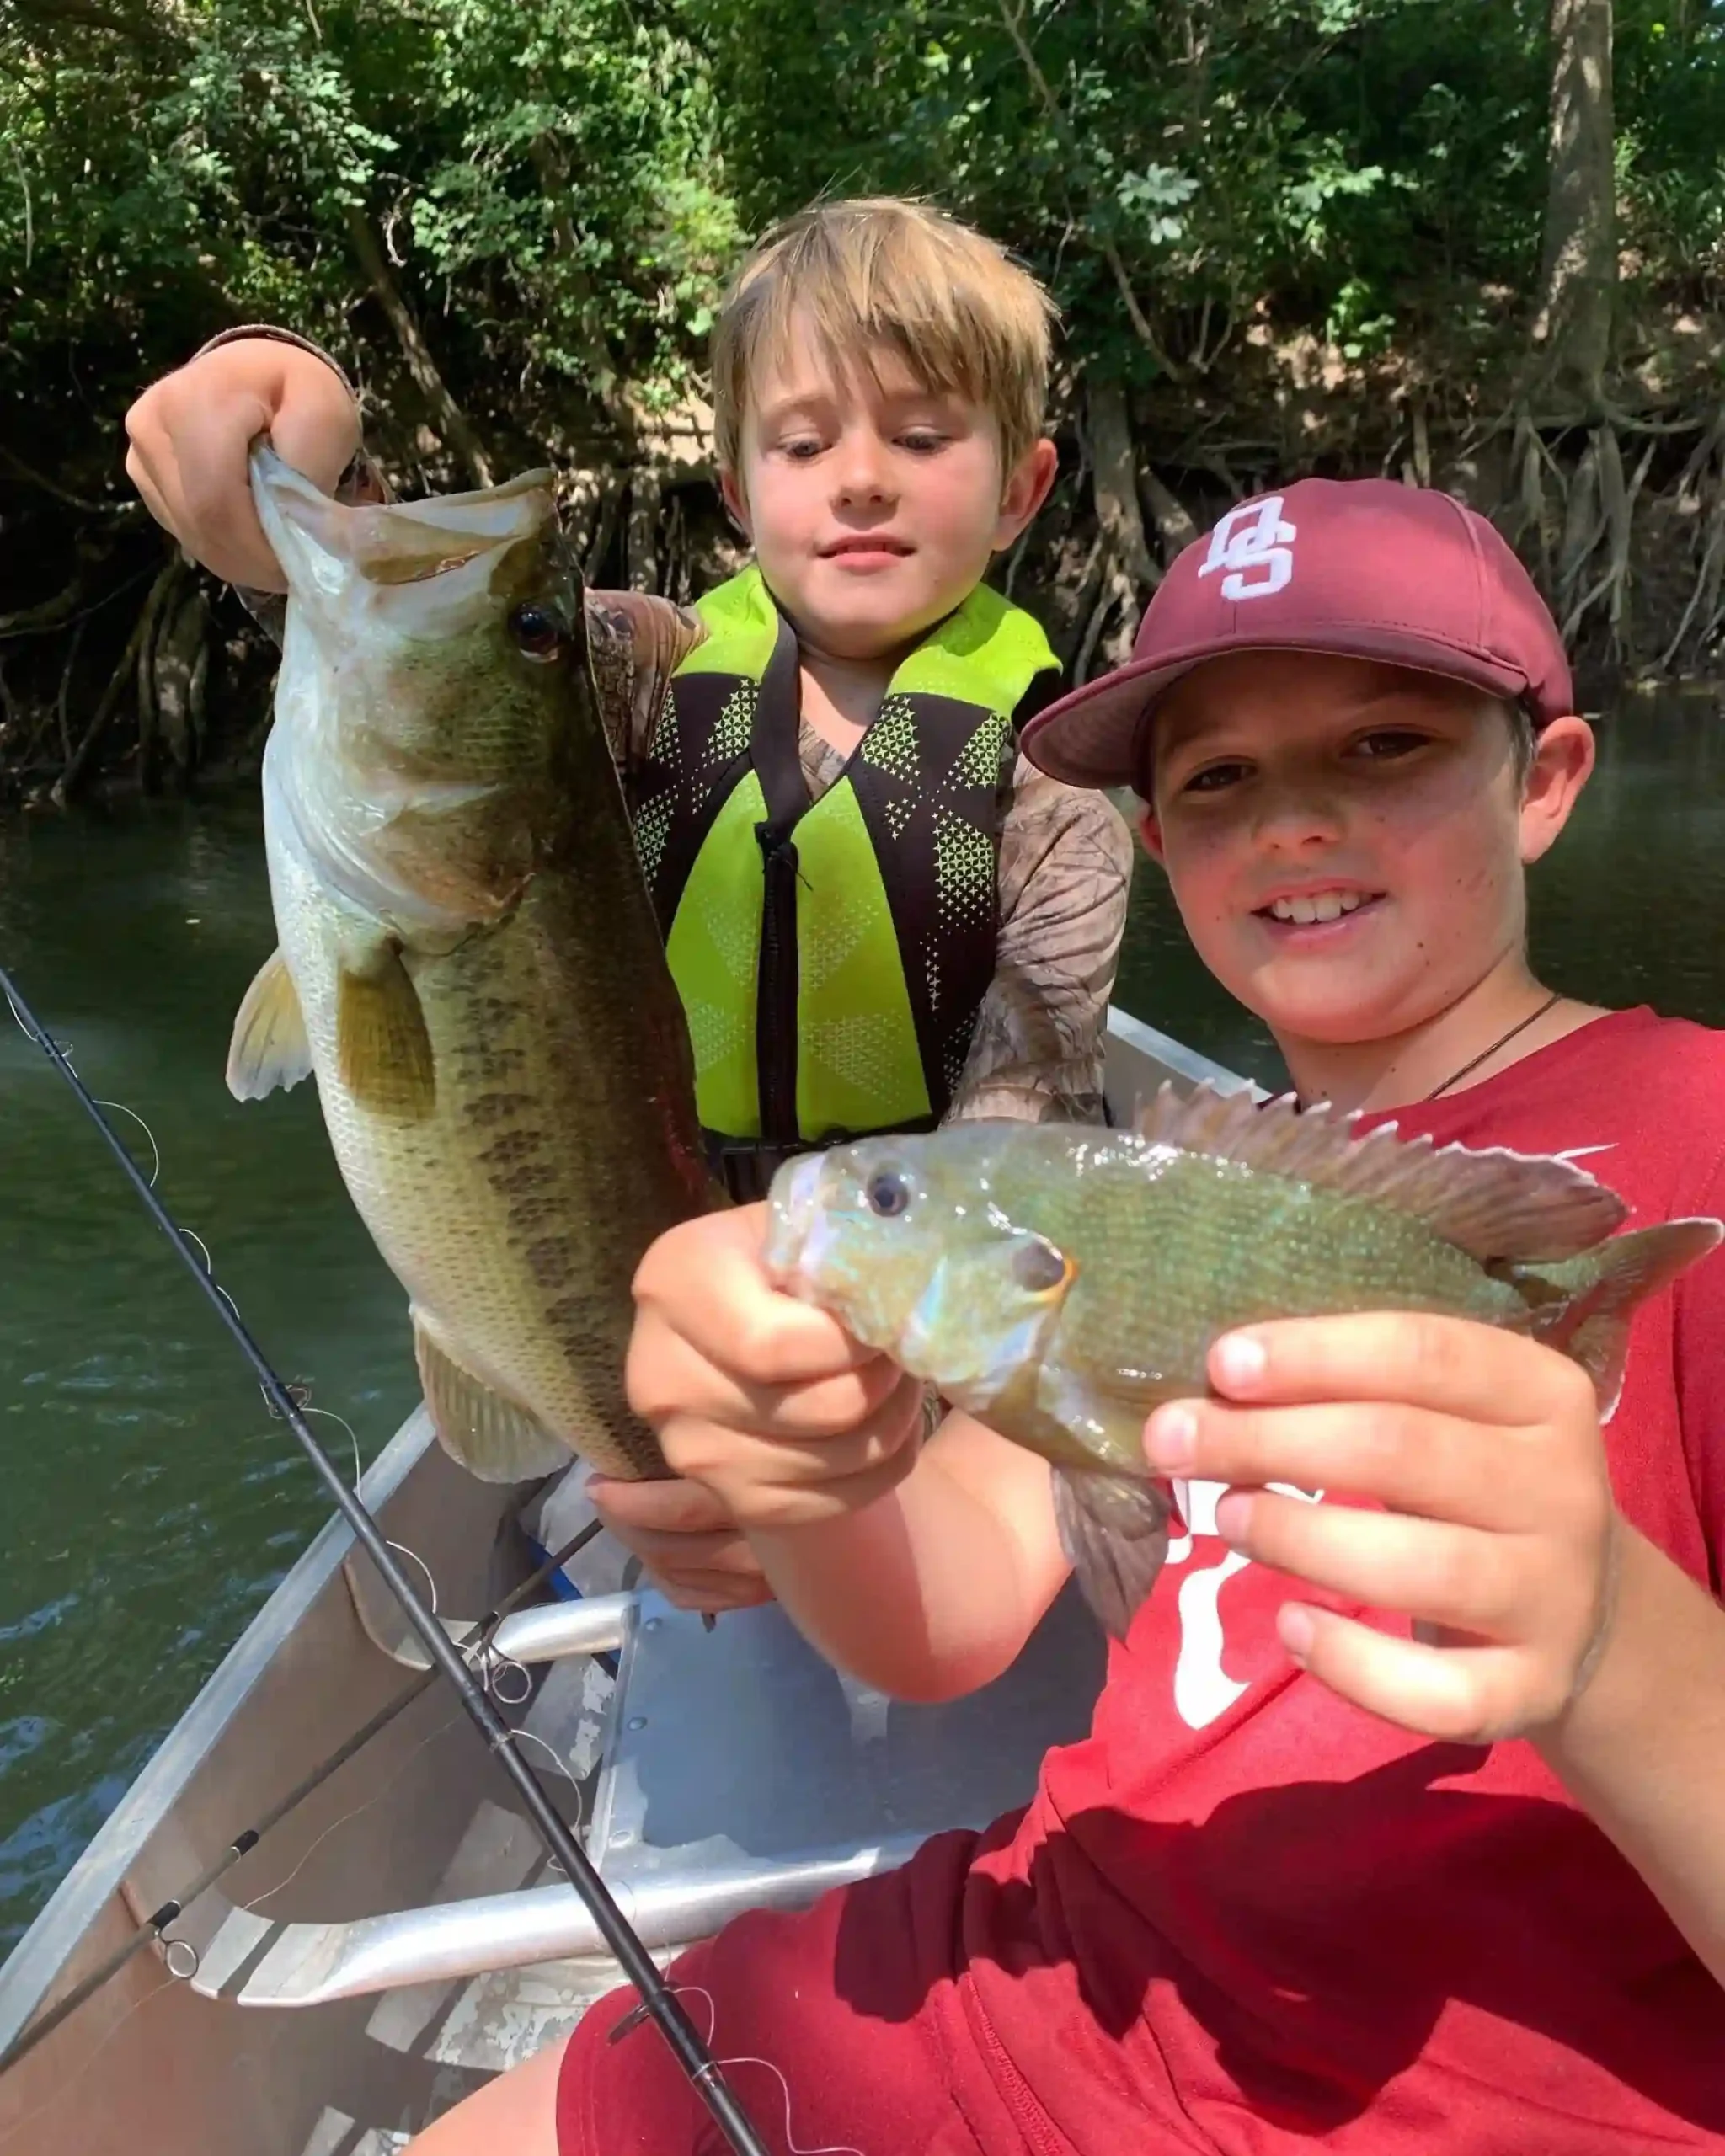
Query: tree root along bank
[[140, 670]]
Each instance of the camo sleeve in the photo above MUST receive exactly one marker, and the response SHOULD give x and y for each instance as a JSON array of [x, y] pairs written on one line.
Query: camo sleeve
[[1065, 870]]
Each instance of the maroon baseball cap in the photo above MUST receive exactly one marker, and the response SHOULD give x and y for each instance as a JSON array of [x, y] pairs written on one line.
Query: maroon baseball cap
[[1367, 569]]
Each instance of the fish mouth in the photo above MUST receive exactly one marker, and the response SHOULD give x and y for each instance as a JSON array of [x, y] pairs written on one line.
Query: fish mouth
[[391, 543], [794, 1225]]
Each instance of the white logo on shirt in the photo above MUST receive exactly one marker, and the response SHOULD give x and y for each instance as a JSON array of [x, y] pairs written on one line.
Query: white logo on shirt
[[1204, 1691], [1255, 547]]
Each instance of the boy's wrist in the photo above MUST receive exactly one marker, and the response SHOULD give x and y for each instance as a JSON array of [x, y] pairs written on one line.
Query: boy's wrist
[[1616, 1687], [268, 332]]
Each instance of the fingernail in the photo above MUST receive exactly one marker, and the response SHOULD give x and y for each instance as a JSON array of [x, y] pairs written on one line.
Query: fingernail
[[1295, 1630], [1238, 1359], [1234, 1517], [1170, 1438]]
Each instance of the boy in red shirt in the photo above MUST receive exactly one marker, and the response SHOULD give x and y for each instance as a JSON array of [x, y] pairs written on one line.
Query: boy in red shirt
[[1400, 1828]]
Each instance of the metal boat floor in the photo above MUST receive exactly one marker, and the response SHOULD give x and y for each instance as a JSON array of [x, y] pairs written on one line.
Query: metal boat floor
[[740, 1769]]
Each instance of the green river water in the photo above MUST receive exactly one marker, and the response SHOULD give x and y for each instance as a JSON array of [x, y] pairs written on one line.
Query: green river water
[[147, 1503]]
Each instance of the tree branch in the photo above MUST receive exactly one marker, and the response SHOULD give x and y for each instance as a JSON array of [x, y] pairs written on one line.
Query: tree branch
[[453, 423]]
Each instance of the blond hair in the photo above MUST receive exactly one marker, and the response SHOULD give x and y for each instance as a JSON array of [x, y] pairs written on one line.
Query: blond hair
[[881, 274]]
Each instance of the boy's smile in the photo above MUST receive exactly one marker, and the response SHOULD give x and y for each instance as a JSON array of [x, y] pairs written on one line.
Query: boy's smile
[[874, 501], [1345, 839]]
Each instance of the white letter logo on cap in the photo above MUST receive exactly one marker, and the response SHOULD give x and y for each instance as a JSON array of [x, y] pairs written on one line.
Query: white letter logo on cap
[[1255, 547]]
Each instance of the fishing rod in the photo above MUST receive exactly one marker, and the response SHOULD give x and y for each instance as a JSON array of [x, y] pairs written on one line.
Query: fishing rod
[[658, 1999], [244, 1842]]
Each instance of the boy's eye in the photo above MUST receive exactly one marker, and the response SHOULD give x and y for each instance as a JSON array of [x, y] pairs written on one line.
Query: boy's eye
[[801, 448], [1388, 741], [1214, 778], [922, 441]]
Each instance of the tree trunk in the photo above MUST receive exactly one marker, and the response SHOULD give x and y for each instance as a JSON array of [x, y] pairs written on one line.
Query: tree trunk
[[1129, 573], [447, 416], [1578, 279]]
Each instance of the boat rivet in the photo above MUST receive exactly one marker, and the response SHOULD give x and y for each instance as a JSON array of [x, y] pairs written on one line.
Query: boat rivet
[[652, 1625], [622, 1839], [636, 1721]]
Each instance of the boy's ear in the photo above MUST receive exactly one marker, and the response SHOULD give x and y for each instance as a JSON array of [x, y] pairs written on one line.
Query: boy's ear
[[1562, 760], [1151, 832], [737, 502], [1026, 490]]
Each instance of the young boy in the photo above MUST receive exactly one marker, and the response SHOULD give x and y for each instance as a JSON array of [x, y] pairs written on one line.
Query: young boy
[[878, 915], [1399, 1829]]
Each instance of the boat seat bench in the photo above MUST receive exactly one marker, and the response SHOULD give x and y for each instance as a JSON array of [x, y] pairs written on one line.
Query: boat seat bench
[[739, 1770]]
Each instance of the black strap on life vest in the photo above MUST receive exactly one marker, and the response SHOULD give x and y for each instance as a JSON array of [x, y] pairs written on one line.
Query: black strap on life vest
[[773, 751]]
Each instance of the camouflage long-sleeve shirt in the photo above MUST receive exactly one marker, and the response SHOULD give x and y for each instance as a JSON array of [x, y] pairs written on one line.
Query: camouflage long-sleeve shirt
[[1065, 861]]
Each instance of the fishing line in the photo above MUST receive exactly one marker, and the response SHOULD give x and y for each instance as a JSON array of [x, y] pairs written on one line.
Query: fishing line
[[243, 1844], [692, 2055], [329, 1415], [346, 1819], [631, 2019], [85, 2063]]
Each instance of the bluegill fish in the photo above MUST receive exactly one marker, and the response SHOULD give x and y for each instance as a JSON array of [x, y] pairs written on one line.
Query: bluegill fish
[[1058, 1283], [469, 961]]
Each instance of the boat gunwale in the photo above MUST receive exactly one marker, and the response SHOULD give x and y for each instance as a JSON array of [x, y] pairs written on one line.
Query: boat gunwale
[[31, 1972]]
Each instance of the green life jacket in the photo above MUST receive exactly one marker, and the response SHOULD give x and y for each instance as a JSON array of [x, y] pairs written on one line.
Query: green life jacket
[[831, 958]]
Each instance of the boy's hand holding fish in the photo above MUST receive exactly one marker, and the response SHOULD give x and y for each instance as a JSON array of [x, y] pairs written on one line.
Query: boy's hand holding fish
[[1477, 1503], [920, 1568]]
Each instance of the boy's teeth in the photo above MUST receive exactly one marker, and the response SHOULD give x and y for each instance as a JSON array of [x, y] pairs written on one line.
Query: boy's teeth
[[1324, 906]]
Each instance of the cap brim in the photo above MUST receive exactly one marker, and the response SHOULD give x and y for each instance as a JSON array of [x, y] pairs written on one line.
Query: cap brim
[[1092, 737]]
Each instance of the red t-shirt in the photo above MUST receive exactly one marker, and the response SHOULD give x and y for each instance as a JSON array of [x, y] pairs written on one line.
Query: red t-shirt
[[1244, 1916]]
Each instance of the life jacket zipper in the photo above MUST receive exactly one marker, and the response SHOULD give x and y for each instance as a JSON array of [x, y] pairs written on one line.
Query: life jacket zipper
[[775, 987]]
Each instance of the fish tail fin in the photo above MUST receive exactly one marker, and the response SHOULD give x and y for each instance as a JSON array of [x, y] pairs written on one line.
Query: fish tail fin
[[1114, 1527], [1606, 1285]]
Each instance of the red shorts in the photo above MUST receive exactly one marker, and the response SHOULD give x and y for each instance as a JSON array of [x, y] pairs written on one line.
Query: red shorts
[[858, 2004]]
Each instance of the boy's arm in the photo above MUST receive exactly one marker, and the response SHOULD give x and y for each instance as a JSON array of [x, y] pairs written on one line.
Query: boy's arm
[[1064, 873], [190, 433], [932, 1590], [1643, 1749], [1540, 1611], [923, 1568]]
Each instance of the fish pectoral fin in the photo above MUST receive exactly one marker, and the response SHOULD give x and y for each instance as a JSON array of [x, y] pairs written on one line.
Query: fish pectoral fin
[[269, 1048], [1114, 1527], [383, 1051], [489, 1436]]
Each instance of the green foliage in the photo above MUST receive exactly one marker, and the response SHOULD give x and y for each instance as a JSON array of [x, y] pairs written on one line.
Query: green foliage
[[544, 176], [560, 186]]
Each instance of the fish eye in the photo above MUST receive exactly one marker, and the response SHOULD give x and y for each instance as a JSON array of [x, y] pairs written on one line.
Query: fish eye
[[887, 1194], [538, 632], [1038, 1267]]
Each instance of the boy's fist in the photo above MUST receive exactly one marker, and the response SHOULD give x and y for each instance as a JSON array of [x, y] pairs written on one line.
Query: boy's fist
[[191, 434], [768, 1403]]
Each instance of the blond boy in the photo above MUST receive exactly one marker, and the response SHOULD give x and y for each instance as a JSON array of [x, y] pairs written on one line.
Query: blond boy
[[878, 913]]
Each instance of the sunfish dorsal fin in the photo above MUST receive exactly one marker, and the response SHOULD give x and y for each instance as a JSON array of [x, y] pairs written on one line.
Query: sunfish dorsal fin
[[269, 1046], [1492, 1204], [491, 1437]]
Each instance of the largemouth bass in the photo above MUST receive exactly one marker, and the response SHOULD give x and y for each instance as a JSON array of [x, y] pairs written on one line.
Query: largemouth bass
[[1059, 1283], [469, 963]]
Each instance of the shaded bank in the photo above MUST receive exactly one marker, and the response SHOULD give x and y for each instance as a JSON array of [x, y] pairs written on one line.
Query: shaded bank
[[1482, 249]]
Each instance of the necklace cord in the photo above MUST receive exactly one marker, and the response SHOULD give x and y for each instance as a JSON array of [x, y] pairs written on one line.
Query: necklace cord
[[1503, 1041]]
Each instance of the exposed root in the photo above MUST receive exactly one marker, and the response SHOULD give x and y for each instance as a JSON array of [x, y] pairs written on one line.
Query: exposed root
[[1700, 492]]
